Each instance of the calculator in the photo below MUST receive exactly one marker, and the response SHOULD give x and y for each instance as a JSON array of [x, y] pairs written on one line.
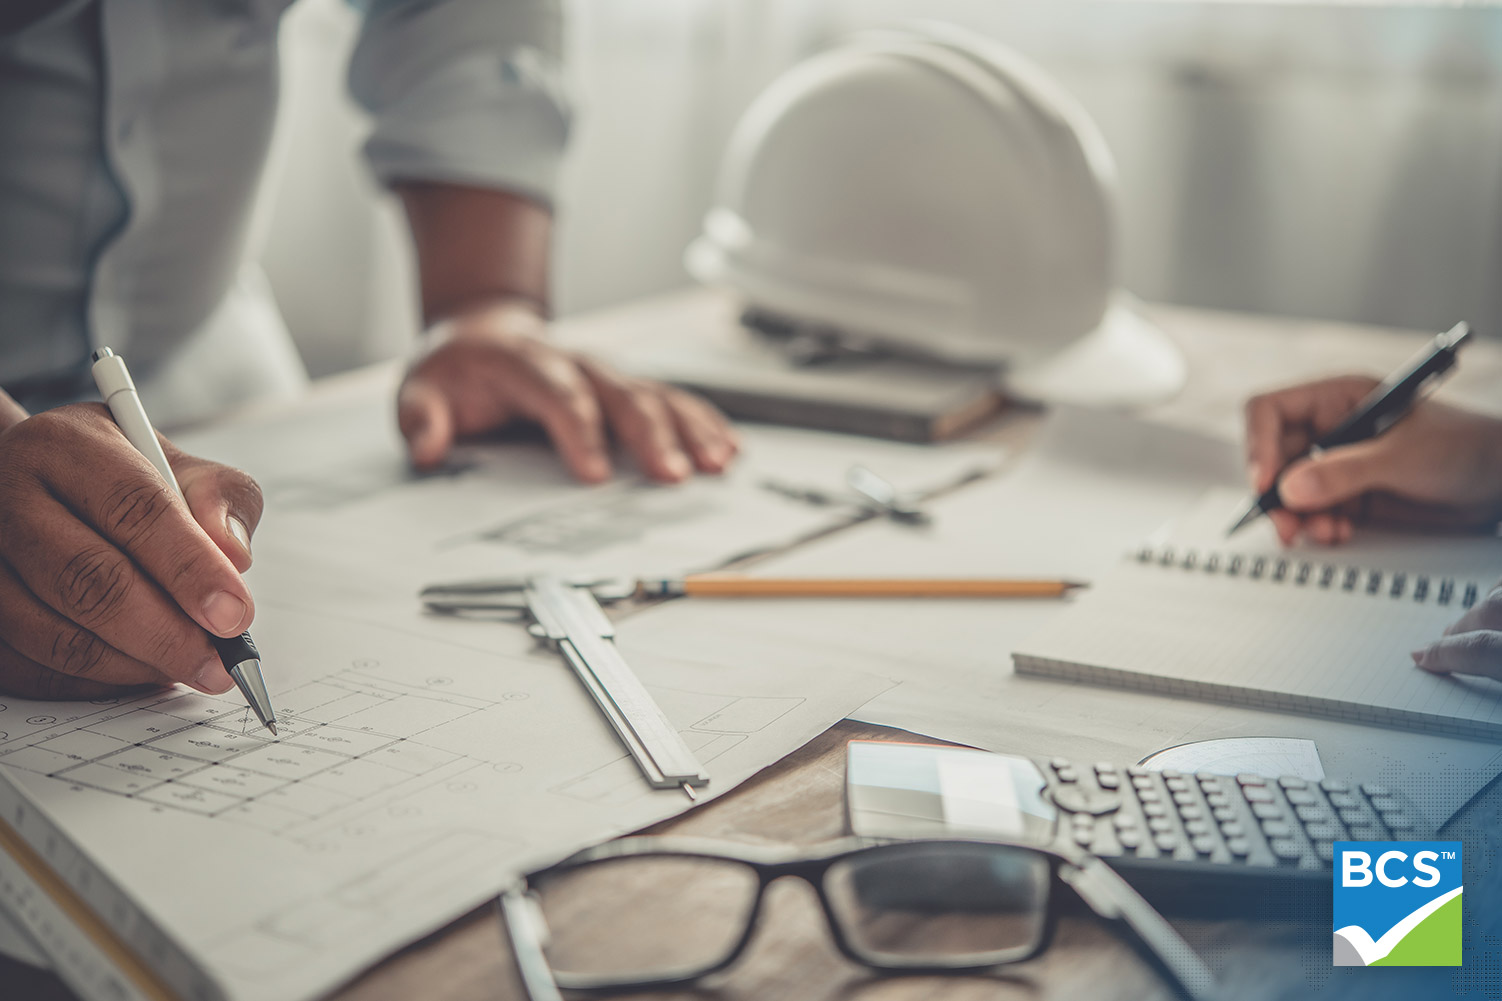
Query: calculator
[[1187, 841]]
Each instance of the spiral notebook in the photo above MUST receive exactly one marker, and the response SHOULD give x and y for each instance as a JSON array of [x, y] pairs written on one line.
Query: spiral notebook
[[1325, 631]]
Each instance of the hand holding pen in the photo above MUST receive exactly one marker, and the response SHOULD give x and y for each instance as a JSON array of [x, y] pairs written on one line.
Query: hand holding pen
[[107, 580], [1437, 467]]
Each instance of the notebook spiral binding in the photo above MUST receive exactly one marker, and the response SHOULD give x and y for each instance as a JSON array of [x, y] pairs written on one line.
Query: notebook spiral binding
[[1314, 573]]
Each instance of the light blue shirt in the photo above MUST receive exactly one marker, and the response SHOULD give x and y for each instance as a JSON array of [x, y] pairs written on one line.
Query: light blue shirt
[[133, 134]]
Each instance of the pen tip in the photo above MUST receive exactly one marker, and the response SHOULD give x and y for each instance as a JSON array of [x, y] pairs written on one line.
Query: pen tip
[[271, 725], [1246, 519]]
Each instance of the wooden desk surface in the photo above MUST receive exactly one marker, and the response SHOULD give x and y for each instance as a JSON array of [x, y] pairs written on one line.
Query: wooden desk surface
[[799, 800]]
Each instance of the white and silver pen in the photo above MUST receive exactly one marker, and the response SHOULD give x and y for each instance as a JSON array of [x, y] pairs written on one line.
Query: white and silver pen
[[239, 655]]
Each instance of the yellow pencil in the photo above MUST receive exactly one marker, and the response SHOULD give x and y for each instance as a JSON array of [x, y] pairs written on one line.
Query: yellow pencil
[[739, 586]]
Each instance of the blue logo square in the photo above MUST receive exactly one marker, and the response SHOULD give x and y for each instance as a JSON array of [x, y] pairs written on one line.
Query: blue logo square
[[1397, 903]]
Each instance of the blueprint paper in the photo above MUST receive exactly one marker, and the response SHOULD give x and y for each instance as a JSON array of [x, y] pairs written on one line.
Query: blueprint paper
[[412, 777]]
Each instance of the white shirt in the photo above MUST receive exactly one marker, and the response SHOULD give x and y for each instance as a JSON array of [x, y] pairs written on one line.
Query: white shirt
[[134, 133]]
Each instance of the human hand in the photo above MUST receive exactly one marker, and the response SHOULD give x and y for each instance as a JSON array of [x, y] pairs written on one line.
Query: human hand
[[488, 367], [107, 580], [1472, 645], [1438, 467]]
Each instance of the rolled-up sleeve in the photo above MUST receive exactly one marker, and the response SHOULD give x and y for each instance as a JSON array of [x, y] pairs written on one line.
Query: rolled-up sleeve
[[464, 91]]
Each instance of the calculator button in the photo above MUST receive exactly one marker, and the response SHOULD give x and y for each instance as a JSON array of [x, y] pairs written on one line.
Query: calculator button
[[1075, 799], [1124, 821], [1223, 813], [1386, 804], [1203, 845], [1325, 850], [1356, 817], [1191, 811], [1277, 829], [1240, 847], [1301, 797], [1185, 798], [1057, 763], [1344, 800], [1108, 780], [1143, 782], [1285, 848], [1149, 796], [1172, 775], [1267, 811], [1136, 770], [1159, 825], [1197, 828], [1248, 779], [1372, 789], [1292, 782], [1166, 841], [1129, 838], [1367, 834], [1105, 768], [1084, 835], [1335, 785], [1177, 784], [1324, 832], [1067, 774], [1154, 810], [1258, 794], [1217, 799], [1399, 822], [1312, 861], [1312, 814], [1233, 829]]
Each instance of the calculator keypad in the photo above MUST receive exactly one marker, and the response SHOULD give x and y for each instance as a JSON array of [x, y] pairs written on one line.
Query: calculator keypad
[[1244, 820]]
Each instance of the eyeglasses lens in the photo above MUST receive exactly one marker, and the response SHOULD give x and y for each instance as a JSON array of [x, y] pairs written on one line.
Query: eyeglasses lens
[[644, 918], [941, 904]]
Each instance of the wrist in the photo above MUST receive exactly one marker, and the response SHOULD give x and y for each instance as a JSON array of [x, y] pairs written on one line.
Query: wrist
[[501, 320]]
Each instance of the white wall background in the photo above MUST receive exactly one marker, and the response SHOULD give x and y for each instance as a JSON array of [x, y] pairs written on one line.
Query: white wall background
[[1340, 161]]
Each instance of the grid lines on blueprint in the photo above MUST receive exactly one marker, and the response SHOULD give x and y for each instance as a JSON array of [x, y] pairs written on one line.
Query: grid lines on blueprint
[[205, 756]]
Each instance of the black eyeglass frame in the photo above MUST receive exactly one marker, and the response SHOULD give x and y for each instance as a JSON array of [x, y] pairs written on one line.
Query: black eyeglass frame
[[1101, 888]]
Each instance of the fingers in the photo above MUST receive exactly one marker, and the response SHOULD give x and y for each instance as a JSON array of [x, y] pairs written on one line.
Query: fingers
[[1476, 652], [44, 638], [1279, 425], [226, 502], [571, 415], [711, 441], [19, 675], [1335, 477], [426, 421]]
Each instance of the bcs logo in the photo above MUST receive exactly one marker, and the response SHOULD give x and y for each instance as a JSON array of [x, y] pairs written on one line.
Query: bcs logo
[[1397, 903]]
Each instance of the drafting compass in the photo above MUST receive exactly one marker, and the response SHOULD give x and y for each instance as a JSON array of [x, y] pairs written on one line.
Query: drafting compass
[[568, 617]]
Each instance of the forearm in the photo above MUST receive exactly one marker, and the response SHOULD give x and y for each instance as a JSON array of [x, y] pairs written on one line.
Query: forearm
[[476, 246]]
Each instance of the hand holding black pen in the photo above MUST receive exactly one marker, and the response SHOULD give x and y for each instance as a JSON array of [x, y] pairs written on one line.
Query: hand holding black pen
[[1337, 451]]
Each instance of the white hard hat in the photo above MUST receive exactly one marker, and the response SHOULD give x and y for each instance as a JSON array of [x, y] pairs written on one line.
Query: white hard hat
[[929, 190]]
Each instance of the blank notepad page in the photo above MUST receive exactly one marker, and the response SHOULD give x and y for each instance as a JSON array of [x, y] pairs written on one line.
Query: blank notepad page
[[1326, 631]]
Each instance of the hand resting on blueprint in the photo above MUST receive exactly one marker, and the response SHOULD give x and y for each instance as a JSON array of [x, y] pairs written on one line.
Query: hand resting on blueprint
[[106, 579], [1472, 645], [1439, 467], [487, 366]]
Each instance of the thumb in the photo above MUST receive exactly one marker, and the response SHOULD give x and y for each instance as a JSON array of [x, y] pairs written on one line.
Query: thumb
[[426, 421], [1334, 477]]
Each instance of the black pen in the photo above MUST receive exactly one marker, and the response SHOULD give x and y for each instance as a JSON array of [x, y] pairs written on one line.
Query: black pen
[[238, 654], [1381, 409]]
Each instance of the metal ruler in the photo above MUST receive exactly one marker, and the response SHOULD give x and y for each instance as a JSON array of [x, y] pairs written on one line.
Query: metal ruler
[[571, 619]]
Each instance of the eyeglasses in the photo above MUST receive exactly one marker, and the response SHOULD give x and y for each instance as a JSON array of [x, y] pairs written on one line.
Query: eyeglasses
[[654, 912]]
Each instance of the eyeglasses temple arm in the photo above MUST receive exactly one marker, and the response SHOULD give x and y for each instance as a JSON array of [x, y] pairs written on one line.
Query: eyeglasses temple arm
[[1110, 897], [520, 917]]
